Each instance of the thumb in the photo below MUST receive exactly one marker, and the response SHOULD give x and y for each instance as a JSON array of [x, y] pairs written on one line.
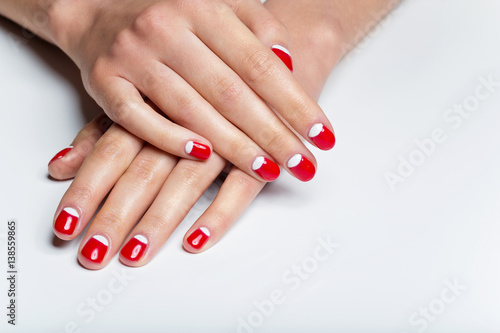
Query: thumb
[[66, 163]]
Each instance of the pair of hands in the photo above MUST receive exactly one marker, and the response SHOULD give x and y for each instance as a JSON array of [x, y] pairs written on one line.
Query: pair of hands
[[211, 67], [153, 183]]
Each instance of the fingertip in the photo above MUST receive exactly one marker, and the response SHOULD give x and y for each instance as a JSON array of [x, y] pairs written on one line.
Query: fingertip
[[93, 254], [198, 150], [284, 55], [196, 240], [302, 167], [133, 253]]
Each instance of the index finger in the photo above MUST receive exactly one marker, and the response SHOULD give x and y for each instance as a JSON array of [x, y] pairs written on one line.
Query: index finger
[[266, 74]]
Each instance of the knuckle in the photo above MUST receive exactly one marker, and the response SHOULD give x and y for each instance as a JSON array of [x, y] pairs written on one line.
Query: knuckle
[[276, 142], [119, 110], [259, 66], [243, 148], [300, 110], [144, 170], [110, 220], [274, 28], [150, 21], [246, 183], [189, 175], [122, 43], [221, 218], [83, 193], [227, 90], [108, 148], [92, 77], [186, 110]]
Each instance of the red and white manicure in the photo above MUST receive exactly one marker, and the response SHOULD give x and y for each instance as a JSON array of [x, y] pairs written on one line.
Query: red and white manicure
[[198, 150], [301, 167], [266, 169], [284, 55], [322, 137], [199, 237], [60, 154], [96, 249], [66, 221], [135, 248]]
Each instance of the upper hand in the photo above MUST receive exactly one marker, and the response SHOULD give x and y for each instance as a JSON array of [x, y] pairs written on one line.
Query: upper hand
[[202, 64]]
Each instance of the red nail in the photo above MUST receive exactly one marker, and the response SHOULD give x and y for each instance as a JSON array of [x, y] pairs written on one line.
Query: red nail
[[322, 137], [266, 169], [198, 150], [199, 237], [284, 55], [301, 167], [61, 154], [66, 221], [96, 248], [135, 248]]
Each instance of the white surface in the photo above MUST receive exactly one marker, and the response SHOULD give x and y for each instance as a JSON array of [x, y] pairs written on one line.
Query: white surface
[[395, 248]]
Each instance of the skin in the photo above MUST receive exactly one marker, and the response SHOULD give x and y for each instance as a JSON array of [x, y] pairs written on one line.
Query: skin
[[148, 180], [224, 90]]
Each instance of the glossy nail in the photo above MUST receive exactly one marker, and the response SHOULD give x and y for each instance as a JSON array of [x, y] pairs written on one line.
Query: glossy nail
[[198, 150], [301, 167], [199, 237], [266, 169], [322, 137], [96, 249], [284, 55], [61, 154], [66, 221], [135, 248]]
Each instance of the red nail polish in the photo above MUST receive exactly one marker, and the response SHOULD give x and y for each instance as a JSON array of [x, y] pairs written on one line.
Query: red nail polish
[[66, 221], [301, 167], [61, 154], [198, 150], [199, 237], [135, 248], [284, 55], [322, 137], [96, 249], [266, 169]]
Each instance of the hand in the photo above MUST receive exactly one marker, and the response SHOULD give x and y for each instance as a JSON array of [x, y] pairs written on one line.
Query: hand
[[147, 185], [235, 195], [202, 65]]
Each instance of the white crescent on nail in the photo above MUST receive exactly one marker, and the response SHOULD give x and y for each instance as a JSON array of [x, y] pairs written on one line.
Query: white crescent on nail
[[294, 161], [141, 239], [281, 48], [101, 239], [257, 164], [71, 211], [189, 147], [315, 130], [205, 231]]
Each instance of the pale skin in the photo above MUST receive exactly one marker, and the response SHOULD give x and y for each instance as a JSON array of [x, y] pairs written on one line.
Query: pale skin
[[143, 175], [199, 61]]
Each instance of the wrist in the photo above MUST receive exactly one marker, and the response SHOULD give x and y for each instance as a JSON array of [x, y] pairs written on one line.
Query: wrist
[[315, 39], [67, 22]]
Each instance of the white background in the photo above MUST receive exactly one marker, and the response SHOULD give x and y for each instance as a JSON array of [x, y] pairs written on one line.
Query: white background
[[396, 248]]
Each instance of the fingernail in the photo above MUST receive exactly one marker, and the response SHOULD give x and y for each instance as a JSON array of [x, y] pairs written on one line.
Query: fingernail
[[301, 167], [266, 169], [61, 154], [322, 137], [66, 221], [198, 150], [284, 55], [199, 237], [96, 248], [135, 248]]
